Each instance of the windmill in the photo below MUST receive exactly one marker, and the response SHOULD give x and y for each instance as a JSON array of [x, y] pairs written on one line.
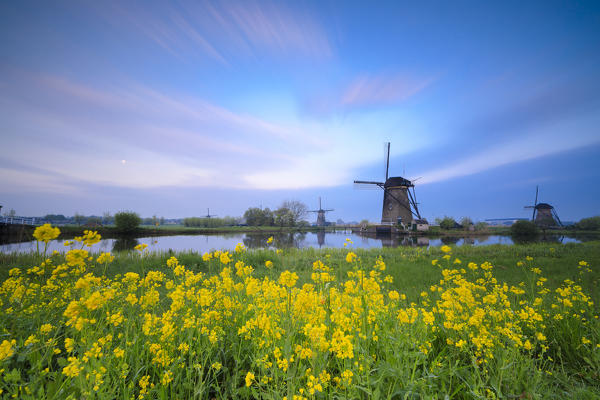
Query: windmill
[[399, 203], [544, 214], [321, 214], [208, 215]]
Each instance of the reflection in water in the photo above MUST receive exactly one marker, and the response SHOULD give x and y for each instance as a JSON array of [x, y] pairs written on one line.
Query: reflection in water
[[448, 240], [124, 243], [318, 239], [321, 238]]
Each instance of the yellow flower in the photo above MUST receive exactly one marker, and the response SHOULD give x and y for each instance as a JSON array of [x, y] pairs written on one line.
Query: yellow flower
[[90, 238], [270, 240], [217, 366], [69, 344], [105, 258], [45, 233], [73, 369], [141, 247], [434, 262], [288, 278], [393, 295], [46, 328], [446, 249], [249, 378], [269, 264], [119, 352], [350, 257], [7, 349]]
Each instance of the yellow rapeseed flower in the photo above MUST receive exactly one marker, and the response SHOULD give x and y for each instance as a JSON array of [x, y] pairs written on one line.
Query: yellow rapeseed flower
[[7, 349], [249, 378], [45, 233]]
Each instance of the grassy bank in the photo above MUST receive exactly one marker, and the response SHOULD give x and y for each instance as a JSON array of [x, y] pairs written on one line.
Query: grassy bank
[[467, 322]]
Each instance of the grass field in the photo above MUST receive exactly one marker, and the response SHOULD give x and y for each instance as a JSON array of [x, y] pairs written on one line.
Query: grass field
[[465, 322]]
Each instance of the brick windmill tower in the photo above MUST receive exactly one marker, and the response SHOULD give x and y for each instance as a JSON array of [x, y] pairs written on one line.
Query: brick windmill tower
[[399, 202], [321, 214], [544, 215]]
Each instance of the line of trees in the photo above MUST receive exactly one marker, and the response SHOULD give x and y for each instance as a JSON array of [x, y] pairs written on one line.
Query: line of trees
[[210, 222], [290, 213]]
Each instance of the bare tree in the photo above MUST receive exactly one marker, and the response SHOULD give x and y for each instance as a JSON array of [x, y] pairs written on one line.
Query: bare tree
[[297, 210]]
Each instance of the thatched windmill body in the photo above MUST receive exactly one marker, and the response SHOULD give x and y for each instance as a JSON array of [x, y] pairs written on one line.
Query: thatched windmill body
[[544, 215], [321, 214], [399, 198]]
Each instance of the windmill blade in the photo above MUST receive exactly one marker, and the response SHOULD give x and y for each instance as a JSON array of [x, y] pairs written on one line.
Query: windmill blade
[[535, 203], [369, 183], [416, 179], [556, 216], [320, 203], [387, 163]]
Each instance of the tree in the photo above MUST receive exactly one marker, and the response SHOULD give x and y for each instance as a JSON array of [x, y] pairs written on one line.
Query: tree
[[255, 216], [284, 217], [524, 229], [446, 222], [589, 224], [127, 221], [94, 221], [10, 213], [297, 210], [78, 218], [107, 218], [466, 222], [481, 226]]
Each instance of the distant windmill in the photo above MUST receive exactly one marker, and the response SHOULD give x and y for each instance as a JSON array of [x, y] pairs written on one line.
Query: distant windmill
[[543, 213], [399, 204], [321, 214], [208, 215]]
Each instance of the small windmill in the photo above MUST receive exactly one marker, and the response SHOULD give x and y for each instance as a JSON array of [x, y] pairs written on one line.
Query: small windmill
[[321, 214], [208, 215], [543, 213], [399, 203]]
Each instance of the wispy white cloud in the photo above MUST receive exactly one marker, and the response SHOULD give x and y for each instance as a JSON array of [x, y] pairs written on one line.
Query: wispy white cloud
[[224, 30], [382, 89], [367, 92]]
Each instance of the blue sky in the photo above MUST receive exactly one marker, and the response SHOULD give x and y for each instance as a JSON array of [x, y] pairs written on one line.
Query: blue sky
[[168, 108]]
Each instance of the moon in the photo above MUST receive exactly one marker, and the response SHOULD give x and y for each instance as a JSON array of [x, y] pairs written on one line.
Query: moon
[[123, 161]]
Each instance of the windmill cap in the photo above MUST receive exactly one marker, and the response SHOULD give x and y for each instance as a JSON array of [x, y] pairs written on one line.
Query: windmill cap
[[397, 181], [543, 206]]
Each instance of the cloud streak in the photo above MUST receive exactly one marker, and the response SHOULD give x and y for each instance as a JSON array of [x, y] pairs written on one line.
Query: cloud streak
[[224, 31]]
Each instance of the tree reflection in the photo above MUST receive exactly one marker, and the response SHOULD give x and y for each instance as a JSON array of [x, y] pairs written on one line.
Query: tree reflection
[[124, 243]]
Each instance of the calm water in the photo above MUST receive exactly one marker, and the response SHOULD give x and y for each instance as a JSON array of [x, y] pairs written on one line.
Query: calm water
[[203, 243]]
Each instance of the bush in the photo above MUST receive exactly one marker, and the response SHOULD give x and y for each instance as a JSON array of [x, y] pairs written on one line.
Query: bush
[[127, 221], [524, 229], [447, 223], [481, 226], [589, 224]]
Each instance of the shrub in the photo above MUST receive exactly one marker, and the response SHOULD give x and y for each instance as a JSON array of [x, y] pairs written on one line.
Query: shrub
[[524, 229], [448, 223], [481, 226], [589, 224], [127, 221]]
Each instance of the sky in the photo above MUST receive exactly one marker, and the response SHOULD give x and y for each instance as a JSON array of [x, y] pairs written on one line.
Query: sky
[[170, 108]]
